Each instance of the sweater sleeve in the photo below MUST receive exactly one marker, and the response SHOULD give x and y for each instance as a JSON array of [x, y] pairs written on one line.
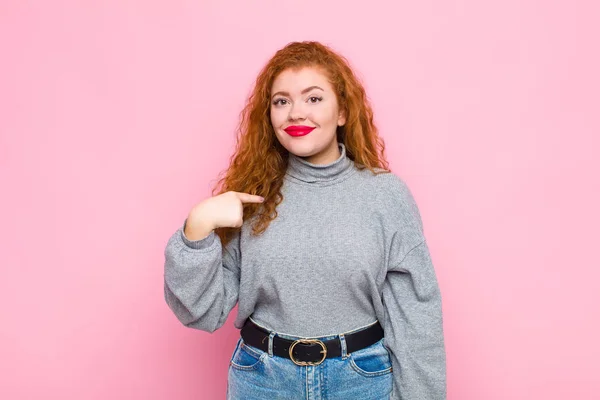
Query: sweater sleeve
[[413, 328], [201, 279], [412, 305]]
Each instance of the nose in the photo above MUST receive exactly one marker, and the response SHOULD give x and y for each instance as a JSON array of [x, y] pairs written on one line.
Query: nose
[[296, 113]]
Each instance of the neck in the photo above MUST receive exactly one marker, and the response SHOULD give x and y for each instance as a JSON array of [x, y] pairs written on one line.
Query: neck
[[304, 171]]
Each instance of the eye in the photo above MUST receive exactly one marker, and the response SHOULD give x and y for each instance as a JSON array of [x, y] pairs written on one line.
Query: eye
[[316, 98], [276, 102]]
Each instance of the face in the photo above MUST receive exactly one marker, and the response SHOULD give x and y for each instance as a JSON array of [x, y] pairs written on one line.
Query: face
[[305, 114]]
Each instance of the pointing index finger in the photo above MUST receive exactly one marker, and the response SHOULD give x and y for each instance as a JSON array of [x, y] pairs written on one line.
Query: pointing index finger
[[250, 198]]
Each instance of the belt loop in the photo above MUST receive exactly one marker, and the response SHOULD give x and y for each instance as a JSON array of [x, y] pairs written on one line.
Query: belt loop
[[343, 344], [271, 335]]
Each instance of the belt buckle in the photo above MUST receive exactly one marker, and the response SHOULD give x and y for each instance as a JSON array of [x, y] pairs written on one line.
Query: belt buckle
[[324, 351]]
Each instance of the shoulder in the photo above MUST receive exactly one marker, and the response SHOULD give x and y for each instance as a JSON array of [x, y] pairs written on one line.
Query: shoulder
[[391, 195], [385, 184]]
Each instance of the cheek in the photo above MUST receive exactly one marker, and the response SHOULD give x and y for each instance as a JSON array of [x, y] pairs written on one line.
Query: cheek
[[326, 115], [277, 117]]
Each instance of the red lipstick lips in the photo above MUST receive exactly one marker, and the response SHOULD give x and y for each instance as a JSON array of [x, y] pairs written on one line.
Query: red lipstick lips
[[299, 130]]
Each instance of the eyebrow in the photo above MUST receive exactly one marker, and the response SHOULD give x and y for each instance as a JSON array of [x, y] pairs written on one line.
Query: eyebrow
[[308, 89]]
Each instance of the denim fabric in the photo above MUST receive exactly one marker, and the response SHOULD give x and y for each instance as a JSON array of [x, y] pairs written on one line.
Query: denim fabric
[[255, 374]]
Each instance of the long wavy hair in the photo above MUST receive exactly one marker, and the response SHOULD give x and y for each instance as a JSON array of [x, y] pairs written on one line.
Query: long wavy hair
[[259, 162]]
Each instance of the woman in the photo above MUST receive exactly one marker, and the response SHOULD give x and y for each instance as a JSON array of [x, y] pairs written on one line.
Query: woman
[[319, 242]]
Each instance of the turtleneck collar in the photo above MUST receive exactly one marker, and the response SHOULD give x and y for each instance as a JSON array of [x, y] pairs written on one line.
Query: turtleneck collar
[[320, 174]]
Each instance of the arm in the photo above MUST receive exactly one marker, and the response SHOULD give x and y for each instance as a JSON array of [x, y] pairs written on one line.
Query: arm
[[412, 305], [201, 279], [413, 327]]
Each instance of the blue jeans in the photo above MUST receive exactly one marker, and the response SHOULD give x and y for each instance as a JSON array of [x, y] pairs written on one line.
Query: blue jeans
[[255, 374]]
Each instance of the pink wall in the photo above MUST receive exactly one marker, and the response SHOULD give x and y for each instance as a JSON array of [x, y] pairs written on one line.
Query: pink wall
[[115, 117]]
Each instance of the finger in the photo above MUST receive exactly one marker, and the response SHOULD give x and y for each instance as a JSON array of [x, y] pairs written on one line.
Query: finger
[[249, 198]]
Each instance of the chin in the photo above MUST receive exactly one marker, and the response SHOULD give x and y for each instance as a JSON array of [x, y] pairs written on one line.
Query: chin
[[303, 151], [301, 148]]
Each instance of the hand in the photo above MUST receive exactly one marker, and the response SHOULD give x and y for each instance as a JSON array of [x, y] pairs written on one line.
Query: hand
[[224, 210]]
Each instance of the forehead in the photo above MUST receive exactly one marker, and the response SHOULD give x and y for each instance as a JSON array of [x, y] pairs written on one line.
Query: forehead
[[296, 80]]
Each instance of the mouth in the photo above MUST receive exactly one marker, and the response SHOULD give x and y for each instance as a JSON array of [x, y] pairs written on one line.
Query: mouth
[[299, 130]]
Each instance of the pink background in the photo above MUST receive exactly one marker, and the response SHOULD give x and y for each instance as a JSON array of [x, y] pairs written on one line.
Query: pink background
[[116, 116]]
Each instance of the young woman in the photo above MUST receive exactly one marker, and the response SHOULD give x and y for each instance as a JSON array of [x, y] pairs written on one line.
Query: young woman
[[319, 242]]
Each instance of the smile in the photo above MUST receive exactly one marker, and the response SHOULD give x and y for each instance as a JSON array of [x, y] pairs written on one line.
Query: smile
[[299, 130]]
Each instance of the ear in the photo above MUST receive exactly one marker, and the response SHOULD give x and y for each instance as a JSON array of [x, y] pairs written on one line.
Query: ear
[[341, 118]]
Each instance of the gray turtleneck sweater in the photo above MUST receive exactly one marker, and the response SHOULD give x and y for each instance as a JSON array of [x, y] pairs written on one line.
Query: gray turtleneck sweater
[[347, 248]]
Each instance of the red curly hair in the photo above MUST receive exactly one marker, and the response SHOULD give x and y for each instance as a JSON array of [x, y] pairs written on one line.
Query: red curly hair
[[259, 163]]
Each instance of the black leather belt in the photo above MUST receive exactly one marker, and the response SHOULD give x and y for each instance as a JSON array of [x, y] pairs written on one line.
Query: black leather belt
[[310, 351]]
